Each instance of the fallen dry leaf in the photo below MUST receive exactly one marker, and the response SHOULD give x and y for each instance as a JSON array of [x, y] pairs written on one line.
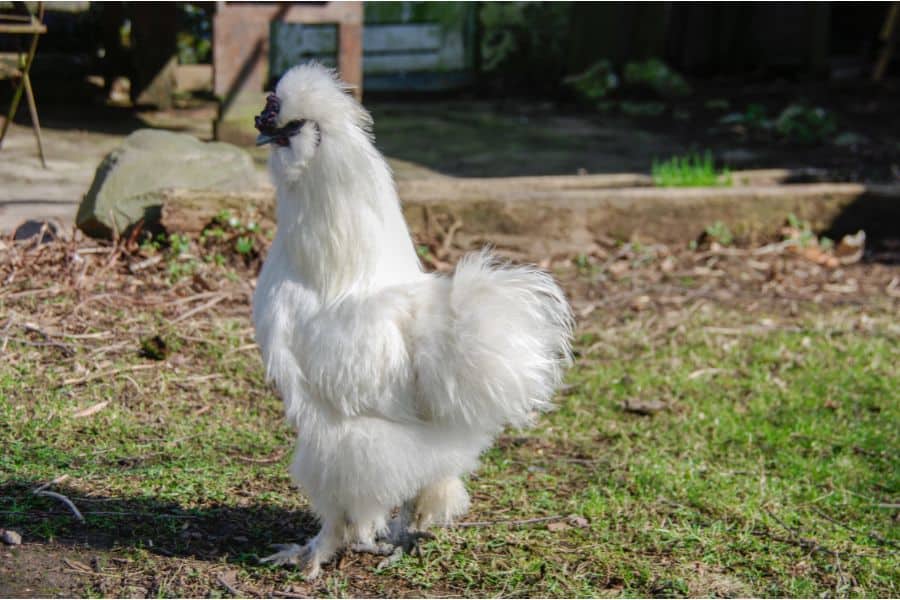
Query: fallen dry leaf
[[702, 372], [618, 268], [90, 410], [644, 407], [640, 303], [851, 247]]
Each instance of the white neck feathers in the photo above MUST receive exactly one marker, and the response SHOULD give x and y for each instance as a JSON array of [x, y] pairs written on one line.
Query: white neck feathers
[[340, 219]]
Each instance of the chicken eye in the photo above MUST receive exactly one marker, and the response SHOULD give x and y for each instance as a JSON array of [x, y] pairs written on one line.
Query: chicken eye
[[293, 127]]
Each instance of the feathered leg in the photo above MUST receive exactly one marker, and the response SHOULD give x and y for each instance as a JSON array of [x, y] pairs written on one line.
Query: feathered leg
[[439, 503], [401, 538]]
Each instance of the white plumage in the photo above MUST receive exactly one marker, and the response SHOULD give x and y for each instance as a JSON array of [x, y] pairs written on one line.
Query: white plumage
[[395, 379]]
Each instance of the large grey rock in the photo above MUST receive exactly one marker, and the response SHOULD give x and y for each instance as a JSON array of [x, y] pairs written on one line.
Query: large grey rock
[[129, 183]]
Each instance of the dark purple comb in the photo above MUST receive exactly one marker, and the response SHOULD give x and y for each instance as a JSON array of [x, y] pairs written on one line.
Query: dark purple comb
[[265, 121], [269, 132]]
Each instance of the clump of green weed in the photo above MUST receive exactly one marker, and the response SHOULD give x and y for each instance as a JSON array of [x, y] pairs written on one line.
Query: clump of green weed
[[226, 235], [805, 124], [800, 231], [596, 83], [797, 123], [754, 118], [181, 262], [720, 233], [689, 171], [658, 76], [179, 244], [583, 263], [717, 232]]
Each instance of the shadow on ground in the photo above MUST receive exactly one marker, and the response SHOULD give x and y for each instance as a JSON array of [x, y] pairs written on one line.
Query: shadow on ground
[[239, 532]]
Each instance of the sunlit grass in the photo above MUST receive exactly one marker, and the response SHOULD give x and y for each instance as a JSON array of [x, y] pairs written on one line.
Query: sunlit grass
[[689, 171], [764, 474]]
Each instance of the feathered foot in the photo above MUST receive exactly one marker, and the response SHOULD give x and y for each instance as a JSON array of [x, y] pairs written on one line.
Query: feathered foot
[[391, 552], [399, 540], [309, 558]]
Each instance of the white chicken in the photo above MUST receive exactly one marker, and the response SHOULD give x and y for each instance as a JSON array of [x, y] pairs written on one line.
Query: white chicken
[[395, 379]]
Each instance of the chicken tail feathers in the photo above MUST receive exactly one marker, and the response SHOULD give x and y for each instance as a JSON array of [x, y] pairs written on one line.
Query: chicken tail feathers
[[497, 353]]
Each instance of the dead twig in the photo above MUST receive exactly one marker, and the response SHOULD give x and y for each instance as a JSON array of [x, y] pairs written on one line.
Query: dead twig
[[56, 481], [125, 513], [872, 535], [512, 522], [99, 375], [64, 500], [228, 586], [200, 308], [447, 242], [702, 372], [91, 409], [148, 262], [51, 291], [48, 339], [809, 544], [5, 332], [263, 461], [78, 566]]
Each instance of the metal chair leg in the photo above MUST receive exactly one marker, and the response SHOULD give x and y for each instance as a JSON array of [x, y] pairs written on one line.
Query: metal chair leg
[[13, 108], [25, 85], [889, 37], [35, 123]]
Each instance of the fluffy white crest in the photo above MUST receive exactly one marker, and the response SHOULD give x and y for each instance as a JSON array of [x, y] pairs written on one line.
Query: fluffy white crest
[[316, 93]]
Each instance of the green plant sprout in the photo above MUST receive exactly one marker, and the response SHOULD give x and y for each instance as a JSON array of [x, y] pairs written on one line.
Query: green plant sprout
[[689, 171]]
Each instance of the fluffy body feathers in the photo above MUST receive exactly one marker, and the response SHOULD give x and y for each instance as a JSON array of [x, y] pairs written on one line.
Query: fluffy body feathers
[[395, 379]]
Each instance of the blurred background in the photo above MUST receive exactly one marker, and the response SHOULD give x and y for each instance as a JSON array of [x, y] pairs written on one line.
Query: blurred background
[[464, 89], [603, 87]]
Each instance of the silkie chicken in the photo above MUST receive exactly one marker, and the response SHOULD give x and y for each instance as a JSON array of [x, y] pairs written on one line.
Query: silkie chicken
[[395, 379]]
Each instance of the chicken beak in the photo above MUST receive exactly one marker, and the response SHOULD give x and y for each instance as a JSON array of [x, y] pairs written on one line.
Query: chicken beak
[[264, 138]]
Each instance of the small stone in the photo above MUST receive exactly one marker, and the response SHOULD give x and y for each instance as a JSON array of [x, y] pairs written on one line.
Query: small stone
[[644, 407], [578, 521], [10, 537], [32, 228]]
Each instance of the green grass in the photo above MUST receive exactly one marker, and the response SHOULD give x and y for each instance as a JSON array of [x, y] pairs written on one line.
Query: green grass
[[794, 438], [689, 171], [147, 441], [769, 472]]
